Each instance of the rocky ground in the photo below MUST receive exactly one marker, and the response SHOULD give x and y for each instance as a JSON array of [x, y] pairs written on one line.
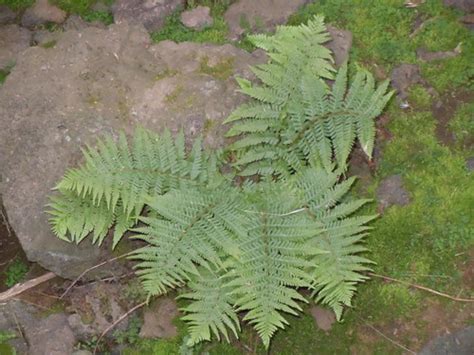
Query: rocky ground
[[72, 74]]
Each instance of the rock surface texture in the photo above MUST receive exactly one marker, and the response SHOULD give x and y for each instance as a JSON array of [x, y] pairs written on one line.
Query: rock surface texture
[[262, 15], [6, 15], [91, 83], [42, 12], [150, 13], [392, 192], [158, 320], [464, 5], [13, 40], [197, 18]]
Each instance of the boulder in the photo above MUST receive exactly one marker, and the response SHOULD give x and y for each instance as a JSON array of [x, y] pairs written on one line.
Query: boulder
[[150, 13], [6, 15], [197, 18], [42, 12], [98, 81], [460, 342], [13, 40], [323, 317], [262, 15]]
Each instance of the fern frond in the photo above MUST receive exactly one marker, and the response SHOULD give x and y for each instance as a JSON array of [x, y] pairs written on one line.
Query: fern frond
[[117, 178], [273, 259], [189, 227], [337, 271], [211, 311]]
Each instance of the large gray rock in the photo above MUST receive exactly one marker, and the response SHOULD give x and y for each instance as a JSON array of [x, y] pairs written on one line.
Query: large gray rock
[[13, 40], [42, 12], [150, 13], [158, 320], [262, 15], [340, 45], [93, 82]]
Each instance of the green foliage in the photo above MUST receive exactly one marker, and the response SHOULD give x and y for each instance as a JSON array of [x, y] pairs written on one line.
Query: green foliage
[[462, 125], [15, 272], [175, 31], [111, 187], [17, 4], [80, 7], [5, 72], [131, 334], [294, 116], [102, 16], [246, 248]]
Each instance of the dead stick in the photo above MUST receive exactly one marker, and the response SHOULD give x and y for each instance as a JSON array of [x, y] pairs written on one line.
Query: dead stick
[[422, 288], [22, 287], [90, 269], [122, 317]]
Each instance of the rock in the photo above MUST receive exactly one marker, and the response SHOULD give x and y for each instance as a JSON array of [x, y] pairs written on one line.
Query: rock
[[7, 16], [464, 5], [93, 82], [392, 192], [75, 22], [40, 336], [340, 44], [158, 320], [97, 306], [404, 76], [262, 15], [45, 37], [150, 13], [51, 336], [428, 56], [42, 12], [323, 317], [458, 343], [13, 40], [470, 164], [197, 18], [100, 6]]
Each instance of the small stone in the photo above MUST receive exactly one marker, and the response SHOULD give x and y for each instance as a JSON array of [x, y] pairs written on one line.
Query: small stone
[[404, 76], [158, 320], [470, 164], [392, 192], [464, 5], [197, 18], [324, 318], [6, 15], [340, 44], [42, 12]]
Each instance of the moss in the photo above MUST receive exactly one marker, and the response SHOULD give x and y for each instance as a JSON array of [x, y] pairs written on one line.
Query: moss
[[173, 96], [165, 74], [49, 44], [58, 307], [222, 70], [419, 98], [17, 5], [174, 30], [462, 125]]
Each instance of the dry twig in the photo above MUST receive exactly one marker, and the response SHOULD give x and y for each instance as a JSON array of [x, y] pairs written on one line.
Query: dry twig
[[90, 269], [22, 287], [427, 289], [122, 317]]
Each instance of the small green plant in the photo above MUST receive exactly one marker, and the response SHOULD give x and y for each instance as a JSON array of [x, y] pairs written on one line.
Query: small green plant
[[15, 272], [242, 248], [131, 334], [17, 4]]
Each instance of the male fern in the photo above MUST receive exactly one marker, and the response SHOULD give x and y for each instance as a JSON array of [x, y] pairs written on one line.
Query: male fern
[[242, 249]]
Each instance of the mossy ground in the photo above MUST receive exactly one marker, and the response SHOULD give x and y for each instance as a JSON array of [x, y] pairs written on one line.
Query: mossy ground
[[428, 242]]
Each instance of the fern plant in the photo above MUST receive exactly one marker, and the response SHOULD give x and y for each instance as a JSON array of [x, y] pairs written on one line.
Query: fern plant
[[294, 115], [242, 250]]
